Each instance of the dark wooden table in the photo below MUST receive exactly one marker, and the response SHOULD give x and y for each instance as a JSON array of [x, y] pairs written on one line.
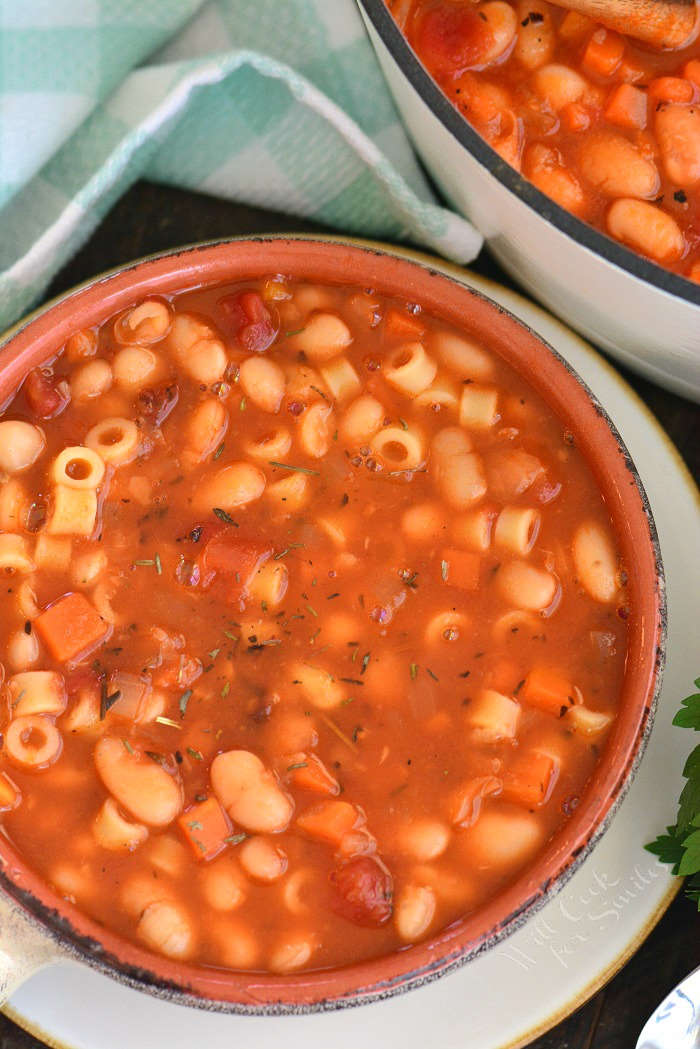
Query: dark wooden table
[[153, 218]]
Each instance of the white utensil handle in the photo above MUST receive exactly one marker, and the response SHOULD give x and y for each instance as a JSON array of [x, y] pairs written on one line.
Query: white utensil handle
[[676, 1022]]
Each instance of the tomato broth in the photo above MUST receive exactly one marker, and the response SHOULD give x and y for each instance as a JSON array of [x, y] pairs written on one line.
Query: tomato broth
[[313, 624]]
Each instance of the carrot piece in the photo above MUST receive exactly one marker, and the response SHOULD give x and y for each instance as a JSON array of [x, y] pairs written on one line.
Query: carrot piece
[[460, 568], [307, 772], [670, 89], [603, 52], [398, 325], [466, 802], [330, 821], [530, 779], [71, 627], [548, 690], [206, 828], [10, 796], [691, 71], [627, 107], [575, 116]]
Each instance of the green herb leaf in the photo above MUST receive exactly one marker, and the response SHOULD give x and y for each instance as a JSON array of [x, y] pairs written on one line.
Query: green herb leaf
[[168, 721], [283, 553], [689, 714], [218, 452], [195, 754], [680, 845], [184, 700], [223, 516], [294, 469], [225, 690], [298, 765], [106, 701], [414, 671], [235, 839]]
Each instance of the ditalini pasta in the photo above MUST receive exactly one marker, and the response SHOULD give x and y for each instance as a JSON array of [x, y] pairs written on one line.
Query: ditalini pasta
[[312, 625]]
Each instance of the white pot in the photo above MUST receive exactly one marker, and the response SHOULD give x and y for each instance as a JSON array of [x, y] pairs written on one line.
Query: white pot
[[647, 317]]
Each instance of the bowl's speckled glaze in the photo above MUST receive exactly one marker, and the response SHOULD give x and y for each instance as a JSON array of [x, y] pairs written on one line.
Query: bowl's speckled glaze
[[66, 928]]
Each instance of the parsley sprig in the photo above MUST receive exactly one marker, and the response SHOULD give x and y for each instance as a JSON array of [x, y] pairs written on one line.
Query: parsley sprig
[[680, 845]]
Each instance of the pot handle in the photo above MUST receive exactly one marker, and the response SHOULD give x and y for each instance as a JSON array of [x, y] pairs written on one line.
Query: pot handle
[[25, 947]]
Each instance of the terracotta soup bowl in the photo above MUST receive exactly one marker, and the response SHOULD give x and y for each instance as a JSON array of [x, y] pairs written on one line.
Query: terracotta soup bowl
[[40, 926]]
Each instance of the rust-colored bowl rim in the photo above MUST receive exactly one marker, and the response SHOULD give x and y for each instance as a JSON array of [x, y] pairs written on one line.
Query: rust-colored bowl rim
[[458, 127], [340, 262]]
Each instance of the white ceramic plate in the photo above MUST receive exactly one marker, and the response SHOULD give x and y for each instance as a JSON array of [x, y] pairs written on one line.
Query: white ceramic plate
[[535, 978]]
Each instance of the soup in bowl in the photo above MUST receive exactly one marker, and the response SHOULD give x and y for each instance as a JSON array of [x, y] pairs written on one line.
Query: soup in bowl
[[331, 624]]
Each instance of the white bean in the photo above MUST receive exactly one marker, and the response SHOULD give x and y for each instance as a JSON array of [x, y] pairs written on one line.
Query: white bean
[[21, 444], [414, 911], [262, 860], [424, 839], [250, 793], [140, 786], [291, 953], [263, 381], [165, 927]]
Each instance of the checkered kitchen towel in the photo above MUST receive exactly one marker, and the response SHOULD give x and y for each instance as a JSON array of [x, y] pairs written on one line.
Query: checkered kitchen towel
[[278, 103]]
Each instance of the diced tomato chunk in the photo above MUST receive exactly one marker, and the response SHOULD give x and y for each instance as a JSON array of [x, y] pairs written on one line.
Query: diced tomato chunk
[[247, 317], [71, 627], [454, 37], [45, 397], [364, 891], [82, 679]]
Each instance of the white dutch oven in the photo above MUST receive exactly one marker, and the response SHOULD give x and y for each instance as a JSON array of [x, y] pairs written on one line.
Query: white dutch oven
[[648, 317]]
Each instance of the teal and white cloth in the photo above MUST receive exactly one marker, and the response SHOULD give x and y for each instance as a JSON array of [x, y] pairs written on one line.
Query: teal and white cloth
[[275, 103]]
